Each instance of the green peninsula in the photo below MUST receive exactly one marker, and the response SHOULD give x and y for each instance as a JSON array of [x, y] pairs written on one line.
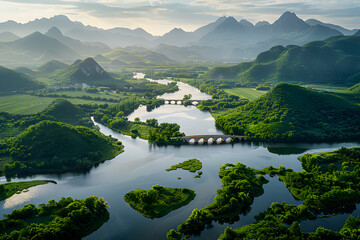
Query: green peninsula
[[65, 219], [158, 201], [56, 147], [9, 189]]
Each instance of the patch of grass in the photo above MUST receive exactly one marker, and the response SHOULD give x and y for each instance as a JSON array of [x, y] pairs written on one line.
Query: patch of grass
[[192, 165], [27, 104], [248, 93], [158, 201], [9, 189], [328, 88]]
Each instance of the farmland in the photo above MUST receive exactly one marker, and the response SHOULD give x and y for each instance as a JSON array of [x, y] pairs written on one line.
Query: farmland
[[248, 93]]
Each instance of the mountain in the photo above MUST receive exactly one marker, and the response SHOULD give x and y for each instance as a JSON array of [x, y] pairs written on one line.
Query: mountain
[[136, 56], [15, 81], [51, 67], [40, 25], [333, 61], [288, 22], [314, 22], [8, 37], [316, 33], [112, 38], [357, 33], [86, 71], [202, 31], [176, 37], [84, 48], [37, 47], [292, 113]]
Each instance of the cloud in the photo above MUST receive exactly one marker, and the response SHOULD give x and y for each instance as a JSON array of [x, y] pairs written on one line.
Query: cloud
[[162, 15]]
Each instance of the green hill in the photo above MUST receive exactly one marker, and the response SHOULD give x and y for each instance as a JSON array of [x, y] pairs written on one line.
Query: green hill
[[333, 61], [57, 147], [293, 113], [51, 67], [86, 71], [15, 81]]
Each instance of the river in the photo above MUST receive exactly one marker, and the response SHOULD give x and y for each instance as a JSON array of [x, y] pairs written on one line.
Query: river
[[143, 165]]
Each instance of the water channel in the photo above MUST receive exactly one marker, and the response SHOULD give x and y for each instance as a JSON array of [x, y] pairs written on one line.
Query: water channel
[[143, 165]]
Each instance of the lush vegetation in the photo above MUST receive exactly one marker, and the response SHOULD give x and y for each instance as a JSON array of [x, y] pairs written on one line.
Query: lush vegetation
[[192, 165], [240, 185], [65, 219], [158, 201], [9, 189], [329, 182], [14, 81], [332, 61], [293, 113], [270, 225], [56, 147]]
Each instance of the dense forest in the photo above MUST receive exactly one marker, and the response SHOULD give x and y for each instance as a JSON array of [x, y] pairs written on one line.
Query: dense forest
[[65, 219], [293, 113], [51, 146]]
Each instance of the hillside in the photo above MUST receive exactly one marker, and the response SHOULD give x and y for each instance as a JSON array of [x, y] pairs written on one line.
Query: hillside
[[57, 147], [8, 37], [355, 89], [14, 81], [333, 61], [86, 71], [51, 67], [293, 113]]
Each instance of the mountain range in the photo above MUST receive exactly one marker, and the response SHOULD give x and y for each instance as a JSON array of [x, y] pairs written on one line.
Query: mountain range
[[333, 61], [226, 38]]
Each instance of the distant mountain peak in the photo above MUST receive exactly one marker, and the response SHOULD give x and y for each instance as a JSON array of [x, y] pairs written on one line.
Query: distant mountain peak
[[262, 23], [54, 31], [246, 23], [289, 22], [60, 18]]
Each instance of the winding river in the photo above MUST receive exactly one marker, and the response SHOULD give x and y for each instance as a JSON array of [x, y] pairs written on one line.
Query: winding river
[[143, 165]]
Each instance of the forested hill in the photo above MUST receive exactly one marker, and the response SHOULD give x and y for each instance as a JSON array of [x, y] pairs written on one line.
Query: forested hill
[[57, 147], [333, 61], [14, 81], [292, 113]]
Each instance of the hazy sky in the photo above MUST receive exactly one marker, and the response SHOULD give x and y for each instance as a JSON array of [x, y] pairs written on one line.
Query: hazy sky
[[160, 16]]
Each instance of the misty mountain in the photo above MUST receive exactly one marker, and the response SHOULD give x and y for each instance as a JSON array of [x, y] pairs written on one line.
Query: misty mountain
[[357, 33], [8, 37], [313, 22], [176, 37], [113, 37], [41, 25], [33, 49], [51, 67], [333, 61], [288, 23], [84, 48]]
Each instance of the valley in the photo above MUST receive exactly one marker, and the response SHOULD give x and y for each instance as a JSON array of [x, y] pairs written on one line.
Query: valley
[[93, 124]]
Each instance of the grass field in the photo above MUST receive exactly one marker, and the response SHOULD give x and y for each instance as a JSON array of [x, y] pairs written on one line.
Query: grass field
[[27, 104], [248, 93], [83, 93], [328, 88]]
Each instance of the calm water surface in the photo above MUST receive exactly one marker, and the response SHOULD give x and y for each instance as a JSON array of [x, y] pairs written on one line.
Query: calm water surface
[[143, 165]]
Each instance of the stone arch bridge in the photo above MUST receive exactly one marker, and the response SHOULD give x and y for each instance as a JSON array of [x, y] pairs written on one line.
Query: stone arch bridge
[[212, 139]]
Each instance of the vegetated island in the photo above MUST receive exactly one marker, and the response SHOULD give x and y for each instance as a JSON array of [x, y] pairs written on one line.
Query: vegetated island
[[158, 201], [115, 118], [329, 182], [65, 219], [292, 113], [9, 189], [240, 185], [55, 147], [271, 225], [192, 165]]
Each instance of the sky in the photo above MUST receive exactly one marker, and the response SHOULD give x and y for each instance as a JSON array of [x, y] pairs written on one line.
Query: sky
[[160, 16]]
